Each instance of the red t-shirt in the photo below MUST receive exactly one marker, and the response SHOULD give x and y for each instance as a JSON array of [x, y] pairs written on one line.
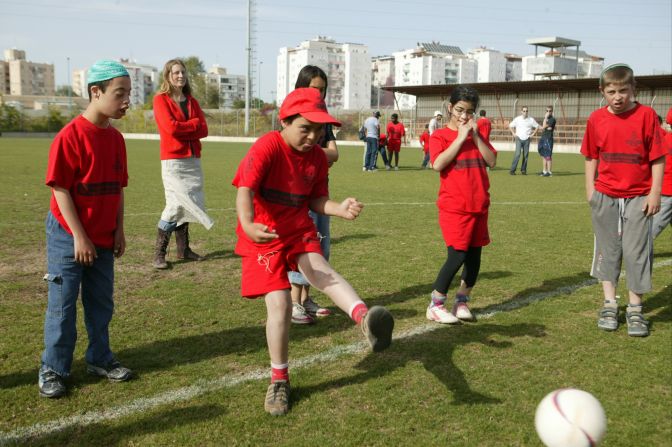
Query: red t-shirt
[[424, 141], [395, 131], [283, 180], [625, 144], [382, 140], [484, 127], [667, 177], [90, 163], [464, 182]]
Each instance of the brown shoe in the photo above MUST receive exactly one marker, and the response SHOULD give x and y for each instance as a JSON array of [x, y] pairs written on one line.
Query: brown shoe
[[182, 239], [277, 398], [160, 249], [377, 326]]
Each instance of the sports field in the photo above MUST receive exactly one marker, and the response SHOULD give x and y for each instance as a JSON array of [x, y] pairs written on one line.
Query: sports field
[[199, 350]]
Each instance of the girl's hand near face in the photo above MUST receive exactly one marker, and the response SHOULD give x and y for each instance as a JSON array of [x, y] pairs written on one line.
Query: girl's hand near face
[[463, 129]]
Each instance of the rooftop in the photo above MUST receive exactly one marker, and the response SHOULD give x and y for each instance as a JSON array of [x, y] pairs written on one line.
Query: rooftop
[[553, 42]]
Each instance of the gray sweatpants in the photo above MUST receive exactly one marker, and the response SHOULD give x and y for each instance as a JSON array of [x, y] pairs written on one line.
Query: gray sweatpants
[[664, 217], [622, 234]]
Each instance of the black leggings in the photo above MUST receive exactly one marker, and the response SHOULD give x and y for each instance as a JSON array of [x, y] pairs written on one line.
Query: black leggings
[[471, 259]]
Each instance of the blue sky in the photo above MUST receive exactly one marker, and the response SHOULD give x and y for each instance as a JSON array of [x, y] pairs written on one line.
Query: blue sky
[[153, 31]]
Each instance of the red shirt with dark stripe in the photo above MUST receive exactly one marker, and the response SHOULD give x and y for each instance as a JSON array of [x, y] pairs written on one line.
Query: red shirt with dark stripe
[[283, 180], [625, 145], [464, 182], [90, 163]]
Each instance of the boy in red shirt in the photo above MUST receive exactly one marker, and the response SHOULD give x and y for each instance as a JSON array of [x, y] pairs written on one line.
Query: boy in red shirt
[[484, 125], [461, 155], [85, 230], [624, 151], [664, 217], [424, 143], [281, 177], [395, 132]]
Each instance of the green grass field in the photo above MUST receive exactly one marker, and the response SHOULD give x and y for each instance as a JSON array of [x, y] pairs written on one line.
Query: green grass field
[[200, 353]]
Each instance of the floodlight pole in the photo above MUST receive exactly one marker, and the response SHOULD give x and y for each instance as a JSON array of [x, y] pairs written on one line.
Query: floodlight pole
[[248, 63], [69, 90]]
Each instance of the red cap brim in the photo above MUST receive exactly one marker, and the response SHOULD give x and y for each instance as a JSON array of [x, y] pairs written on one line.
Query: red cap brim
[[320, 117]]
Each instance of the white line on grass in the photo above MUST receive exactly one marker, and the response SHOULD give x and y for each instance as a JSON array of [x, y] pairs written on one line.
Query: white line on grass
[[206, 386]]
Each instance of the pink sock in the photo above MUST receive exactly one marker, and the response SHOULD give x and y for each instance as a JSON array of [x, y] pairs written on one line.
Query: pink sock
[[357, 311]]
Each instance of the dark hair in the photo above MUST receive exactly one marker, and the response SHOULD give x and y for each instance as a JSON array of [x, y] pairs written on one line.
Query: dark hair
[[307, 74], [482, 112], [463, 93], [102, 85], [394, 115]]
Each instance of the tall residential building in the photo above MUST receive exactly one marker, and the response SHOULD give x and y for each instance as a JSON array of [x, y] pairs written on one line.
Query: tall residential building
[[382, 75], [25, 77], [78, 83], [347, 65], [230, 87], [4, 78], [145, 80], [491, 64], [514, 67], [431, 64]]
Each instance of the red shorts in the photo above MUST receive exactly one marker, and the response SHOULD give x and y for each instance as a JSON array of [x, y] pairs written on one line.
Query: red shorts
[[394, 145], [464, 230], [267, 270]]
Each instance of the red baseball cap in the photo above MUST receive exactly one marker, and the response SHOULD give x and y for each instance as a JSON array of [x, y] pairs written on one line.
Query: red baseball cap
[[308, 103]]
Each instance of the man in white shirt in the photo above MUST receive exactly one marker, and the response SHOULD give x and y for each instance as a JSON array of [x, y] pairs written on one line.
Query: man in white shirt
[[523, 128], [372, 126], [435, 123]]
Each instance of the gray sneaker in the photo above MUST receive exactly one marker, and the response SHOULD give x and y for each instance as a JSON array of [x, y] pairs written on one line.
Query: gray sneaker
[[51, 384], [638, 326], [113, 371], [377, 326], [277, 398], [608, 318]]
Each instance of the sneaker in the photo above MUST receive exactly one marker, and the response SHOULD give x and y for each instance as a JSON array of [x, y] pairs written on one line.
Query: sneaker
[[51, 384], [300, 316], [315, 310], [542, 174], [396, 168], [364, 169], [113, 371], [608, 318], [277, 398], [512, 172], [377, 326], [549, 174], [638, 326], [462, 312], [387, 167], [441, 315]]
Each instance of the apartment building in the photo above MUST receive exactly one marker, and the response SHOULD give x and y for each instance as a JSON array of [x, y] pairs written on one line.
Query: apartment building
[[230, 87], [18, 76], [347, 65]]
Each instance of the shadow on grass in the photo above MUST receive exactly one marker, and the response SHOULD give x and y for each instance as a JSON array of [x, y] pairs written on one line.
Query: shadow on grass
[[661, 300], [338, 240], [157, 422], [434, 351], [165, 354]]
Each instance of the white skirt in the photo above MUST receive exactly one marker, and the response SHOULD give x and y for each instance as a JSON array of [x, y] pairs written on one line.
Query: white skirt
[[183, 185]]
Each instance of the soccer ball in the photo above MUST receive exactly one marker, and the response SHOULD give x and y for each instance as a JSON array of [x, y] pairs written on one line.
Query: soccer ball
[[570, 418]]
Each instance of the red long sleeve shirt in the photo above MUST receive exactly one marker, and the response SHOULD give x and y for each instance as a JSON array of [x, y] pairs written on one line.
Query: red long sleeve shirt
[[180, 137]]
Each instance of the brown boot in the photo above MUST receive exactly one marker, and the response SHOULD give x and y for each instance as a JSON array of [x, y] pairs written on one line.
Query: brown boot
[[160, 248], [182, 239]]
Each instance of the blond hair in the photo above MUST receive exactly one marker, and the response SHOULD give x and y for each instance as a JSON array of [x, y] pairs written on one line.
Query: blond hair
[[619, 74], [166, 86]]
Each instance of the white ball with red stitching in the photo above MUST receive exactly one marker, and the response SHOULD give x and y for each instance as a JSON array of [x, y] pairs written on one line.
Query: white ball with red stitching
[[570, 418]]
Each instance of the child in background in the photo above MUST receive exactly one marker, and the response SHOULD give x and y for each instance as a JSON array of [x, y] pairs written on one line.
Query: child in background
[[395, 133], [664, 217], [461, 155], [85, 230], [424, 143], [624, 161], [282, 176]]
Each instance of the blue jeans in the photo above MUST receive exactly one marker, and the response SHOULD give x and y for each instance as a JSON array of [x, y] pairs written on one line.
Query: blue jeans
[[64, 278], [322, 224], [425, 160], [371, 153], [524, 146]]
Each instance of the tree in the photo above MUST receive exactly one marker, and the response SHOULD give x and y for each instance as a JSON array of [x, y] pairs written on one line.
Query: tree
[[64, 90], [11, 118], [212, 98], [196, 76]]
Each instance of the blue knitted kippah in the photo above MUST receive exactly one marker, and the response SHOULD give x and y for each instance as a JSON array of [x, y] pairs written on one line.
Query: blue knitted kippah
[[105, 69]]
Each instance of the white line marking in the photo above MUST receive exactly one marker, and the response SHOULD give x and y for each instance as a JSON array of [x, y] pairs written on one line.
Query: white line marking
[[205, 386]]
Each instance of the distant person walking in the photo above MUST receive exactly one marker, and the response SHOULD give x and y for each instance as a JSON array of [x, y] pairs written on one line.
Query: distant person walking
[[424, 142], [546, 142], [523, 128], [372, 126], [181, 125]]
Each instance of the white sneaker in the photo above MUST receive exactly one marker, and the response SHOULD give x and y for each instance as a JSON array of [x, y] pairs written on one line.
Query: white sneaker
[[441, 315], [462, 312], [364, 169], [396, 168], [387, 167], [315, 310], [300, 316]]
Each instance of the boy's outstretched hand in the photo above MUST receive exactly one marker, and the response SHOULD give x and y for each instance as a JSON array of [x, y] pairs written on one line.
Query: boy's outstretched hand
[[259, 233], [350, 208]]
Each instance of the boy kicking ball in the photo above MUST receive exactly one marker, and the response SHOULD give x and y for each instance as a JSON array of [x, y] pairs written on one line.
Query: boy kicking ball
[[282, 176]]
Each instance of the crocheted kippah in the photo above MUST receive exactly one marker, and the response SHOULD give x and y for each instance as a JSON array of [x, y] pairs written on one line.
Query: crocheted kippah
[[611, 67], [105, 69]]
